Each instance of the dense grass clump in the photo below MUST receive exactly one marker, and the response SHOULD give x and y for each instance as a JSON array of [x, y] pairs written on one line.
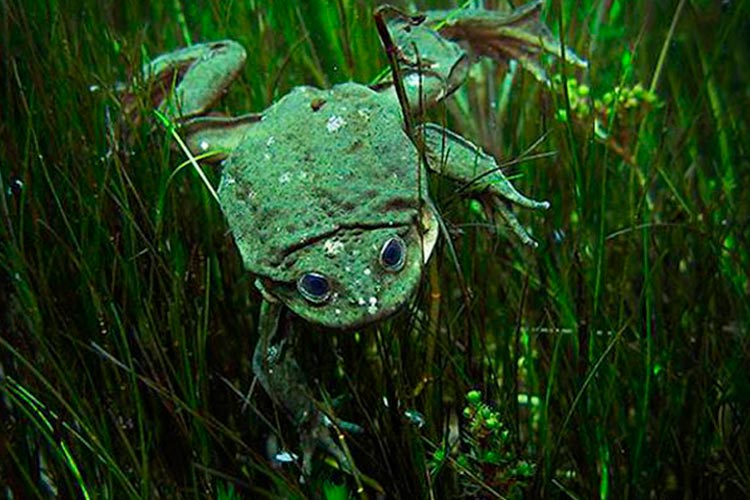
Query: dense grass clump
[[611, 361]]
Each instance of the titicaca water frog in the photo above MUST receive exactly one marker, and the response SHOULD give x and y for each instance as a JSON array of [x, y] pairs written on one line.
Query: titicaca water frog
[[325, 192]]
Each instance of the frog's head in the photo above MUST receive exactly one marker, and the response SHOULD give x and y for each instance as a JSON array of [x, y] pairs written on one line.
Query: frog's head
[[356, 276]]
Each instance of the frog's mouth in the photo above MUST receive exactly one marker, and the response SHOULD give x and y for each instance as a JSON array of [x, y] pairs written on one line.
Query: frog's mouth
[[362, 290]]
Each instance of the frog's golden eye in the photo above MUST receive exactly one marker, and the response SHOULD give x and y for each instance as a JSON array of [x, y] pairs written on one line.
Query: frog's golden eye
[[393, 254], [314, 287]]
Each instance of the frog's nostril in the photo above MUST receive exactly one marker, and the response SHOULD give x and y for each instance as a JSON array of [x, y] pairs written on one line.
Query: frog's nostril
[[314, 287], [317, 103]]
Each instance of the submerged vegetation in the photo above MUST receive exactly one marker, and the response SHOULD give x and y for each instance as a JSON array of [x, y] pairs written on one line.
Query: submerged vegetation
[[609, 362]]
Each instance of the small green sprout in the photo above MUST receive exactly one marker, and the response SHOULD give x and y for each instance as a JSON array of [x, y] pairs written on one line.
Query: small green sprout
[[615, 115], [489, 454]]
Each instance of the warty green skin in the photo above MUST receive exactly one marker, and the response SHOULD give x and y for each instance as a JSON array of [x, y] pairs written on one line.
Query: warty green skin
[[323, 178], [320, 184]]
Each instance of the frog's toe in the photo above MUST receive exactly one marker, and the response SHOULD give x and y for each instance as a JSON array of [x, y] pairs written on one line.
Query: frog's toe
[[318, 435], [513, 223], [350, 427], [493, 205], [321, 437]]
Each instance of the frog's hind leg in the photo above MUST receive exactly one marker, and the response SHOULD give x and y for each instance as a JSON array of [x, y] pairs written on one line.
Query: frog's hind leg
[[188, 81], [503, 35], [435, 49], [430, 67], [218, 134]]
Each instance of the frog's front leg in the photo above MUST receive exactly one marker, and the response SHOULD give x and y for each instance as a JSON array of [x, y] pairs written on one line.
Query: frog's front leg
[[283, 380], [453, 156], [186, 83]]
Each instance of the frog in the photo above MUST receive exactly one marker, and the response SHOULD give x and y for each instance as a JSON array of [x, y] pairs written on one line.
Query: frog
[[325, 192]]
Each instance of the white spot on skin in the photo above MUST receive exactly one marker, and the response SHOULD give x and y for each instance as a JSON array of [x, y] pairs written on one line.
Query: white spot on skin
[[412, 80], [204, 145], [267, 156], [335, 123], [285, 457], [361, 301], [284, 178], [229, 180], [270, 141], [367, 271], [373, 307], [333, 247], [338, 312]]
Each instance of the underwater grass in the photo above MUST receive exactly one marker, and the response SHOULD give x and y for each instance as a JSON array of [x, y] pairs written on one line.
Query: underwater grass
[[615, 355]]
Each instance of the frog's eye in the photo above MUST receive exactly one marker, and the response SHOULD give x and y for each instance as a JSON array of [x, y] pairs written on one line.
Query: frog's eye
[[393, 254], [314, 287]]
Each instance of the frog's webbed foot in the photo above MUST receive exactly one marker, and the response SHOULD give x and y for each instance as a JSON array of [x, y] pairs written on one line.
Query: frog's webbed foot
[[453, 156], [283, 380], [436, 49], [315, 432], [518, 34]]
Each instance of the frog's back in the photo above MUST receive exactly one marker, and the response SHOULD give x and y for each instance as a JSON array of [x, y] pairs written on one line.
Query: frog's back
[[319, 161]]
